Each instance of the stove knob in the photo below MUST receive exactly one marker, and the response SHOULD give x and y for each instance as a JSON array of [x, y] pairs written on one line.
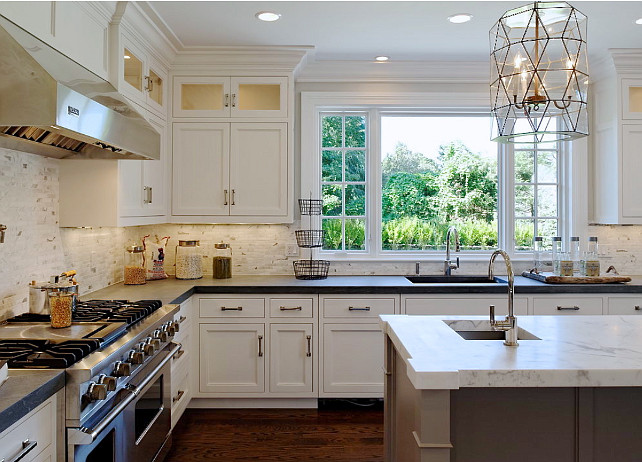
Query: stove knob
[[136, 357], [108, 381], [122, 369], [161, 335], [148, 348], [170, 329], [177, 326], [156, 343], [97, 391]]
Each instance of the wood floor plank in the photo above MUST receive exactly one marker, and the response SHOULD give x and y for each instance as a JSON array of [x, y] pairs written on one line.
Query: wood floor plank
[[279, 435]]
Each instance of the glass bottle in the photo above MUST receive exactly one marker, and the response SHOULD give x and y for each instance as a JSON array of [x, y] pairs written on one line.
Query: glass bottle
[[591, 264], [556, 254], [222, 264], [135, 271], [538, 253], [574, 251], [189, 260], [565, 264]]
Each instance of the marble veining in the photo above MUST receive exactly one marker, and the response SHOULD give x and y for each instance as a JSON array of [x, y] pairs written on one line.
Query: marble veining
[[574, 351]]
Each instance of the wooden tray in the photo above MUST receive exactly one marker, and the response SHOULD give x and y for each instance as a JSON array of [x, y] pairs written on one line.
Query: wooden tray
[[550, 278]]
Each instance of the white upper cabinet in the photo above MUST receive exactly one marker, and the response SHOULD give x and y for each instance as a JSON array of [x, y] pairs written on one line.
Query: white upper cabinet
[[137, 74], [617, 137], [76, 29], [236, 97]]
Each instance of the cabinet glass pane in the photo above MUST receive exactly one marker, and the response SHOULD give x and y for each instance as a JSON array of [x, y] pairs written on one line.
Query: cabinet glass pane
[[635, 99], [253, 97], [133, 70], [201, 96], [155, 87]]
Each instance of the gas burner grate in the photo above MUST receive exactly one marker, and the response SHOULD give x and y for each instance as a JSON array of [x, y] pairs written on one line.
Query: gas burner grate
[[43, 354]]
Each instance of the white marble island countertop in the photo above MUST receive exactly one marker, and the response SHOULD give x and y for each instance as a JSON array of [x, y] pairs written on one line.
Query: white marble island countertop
[[573, 351]]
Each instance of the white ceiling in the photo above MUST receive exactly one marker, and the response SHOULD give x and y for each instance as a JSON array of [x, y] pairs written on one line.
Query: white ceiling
[[359, 30]]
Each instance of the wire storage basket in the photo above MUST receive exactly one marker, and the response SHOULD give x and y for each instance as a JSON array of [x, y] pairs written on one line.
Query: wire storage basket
[[309, 238], [310, 206], [311, 269]]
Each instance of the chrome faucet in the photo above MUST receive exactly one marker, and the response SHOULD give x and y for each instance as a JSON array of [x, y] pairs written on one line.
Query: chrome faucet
[[448, 264], [508, 325]]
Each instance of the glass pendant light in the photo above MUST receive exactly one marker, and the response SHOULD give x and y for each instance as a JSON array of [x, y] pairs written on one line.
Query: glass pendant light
[[539, 74]]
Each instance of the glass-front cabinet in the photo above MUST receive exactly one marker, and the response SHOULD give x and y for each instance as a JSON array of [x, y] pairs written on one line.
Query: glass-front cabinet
[[142, 79], [236, 97], [632, 99]]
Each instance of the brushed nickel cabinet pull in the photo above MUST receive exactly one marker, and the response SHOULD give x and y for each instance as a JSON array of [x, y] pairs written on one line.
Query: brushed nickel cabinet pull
[[568, 308], [231, 308], [637, 307], [227, 100], [309, 339], [233, 99], [149, 87], [178, 355], [145, 194], [178, 396], [225, 197], [181, 319], [233, 194], [27, 447], [260, 345], [150, 190], [292, 308], [356, 308]]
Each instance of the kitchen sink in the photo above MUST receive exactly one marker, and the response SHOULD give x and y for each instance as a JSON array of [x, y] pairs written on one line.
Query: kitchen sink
[[439, 279], [469, 329]]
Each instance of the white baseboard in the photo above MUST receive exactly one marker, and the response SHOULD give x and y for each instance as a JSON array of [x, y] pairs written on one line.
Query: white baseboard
[[253, 403]]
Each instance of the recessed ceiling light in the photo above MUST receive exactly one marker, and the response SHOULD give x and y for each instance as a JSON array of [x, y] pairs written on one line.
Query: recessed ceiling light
[[638, 21], [382, 58], [127, 57], [460, 18], [267, 16]]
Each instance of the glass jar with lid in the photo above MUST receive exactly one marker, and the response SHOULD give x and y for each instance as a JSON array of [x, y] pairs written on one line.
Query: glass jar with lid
[[222, 263], [189, 260], [135, 271], [62, 302]]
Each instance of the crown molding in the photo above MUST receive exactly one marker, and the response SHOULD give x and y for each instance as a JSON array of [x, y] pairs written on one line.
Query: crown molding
[[282, 59], [627, 60], [400, 71]]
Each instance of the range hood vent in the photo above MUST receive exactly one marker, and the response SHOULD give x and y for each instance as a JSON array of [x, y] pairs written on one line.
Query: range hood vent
[[52, 106]]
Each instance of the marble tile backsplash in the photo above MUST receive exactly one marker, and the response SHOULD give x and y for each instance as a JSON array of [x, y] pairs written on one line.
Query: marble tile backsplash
[[35, 247]]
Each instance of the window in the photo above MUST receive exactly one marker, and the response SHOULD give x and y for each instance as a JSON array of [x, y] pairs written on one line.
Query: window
[[394, 178]]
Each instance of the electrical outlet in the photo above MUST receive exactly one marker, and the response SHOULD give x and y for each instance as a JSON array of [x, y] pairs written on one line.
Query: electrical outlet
[[292, 250]]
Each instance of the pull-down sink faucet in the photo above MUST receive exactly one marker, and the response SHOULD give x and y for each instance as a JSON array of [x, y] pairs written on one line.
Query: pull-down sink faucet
[[509, 324], [448, 264]]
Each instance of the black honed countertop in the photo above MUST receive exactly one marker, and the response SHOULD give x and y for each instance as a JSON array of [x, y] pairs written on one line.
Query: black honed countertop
[[25, 390], [175, 291]]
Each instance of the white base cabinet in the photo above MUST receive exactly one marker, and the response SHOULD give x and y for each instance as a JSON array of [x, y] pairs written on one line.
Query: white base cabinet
[[181, 365], [290, 358]]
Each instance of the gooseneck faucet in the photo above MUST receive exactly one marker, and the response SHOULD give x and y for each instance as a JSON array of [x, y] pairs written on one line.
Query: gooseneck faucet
[[509, 324], [448, 264]]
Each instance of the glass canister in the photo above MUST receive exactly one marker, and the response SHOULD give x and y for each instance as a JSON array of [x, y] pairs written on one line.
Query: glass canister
[[189, 260], [222, 265], [62, 301], [135, 271], [556, 252]]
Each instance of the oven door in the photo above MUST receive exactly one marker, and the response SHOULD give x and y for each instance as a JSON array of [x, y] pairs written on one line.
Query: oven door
[[148, 417], [136, 424]]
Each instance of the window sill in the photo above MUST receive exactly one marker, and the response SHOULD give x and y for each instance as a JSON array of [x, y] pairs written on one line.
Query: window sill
[[436, 258]]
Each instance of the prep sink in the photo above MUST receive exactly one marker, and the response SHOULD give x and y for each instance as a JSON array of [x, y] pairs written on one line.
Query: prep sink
[[469, 329], [439, 279]]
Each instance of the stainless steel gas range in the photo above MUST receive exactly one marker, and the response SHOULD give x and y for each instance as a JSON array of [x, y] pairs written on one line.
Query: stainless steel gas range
[[117, 358]]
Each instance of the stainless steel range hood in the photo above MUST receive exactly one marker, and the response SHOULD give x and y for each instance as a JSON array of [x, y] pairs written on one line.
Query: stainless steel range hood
[[52, 106]]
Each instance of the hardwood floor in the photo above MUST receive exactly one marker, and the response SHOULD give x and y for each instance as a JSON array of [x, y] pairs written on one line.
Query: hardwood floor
[[302, 435]]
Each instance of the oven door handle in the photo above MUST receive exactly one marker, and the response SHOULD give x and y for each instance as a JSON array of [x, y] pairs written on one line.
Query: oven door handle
[[83, 435]]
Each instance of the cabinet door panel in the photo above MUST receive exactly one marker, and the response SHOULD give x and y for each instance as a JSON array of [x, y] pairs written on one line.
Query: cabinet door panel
[[477, 306], [353, 359], [259, 96], [34, 17], [155, 199], [258, 169], [568, 306], [201, 97], [290, 365], [232, 358], [200, 166], [130, 173], [631, 168]]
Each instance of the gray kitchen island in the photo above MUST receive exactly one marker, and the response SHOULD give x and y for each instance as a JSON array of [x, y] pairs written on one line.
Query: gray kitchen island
[[570, 392]]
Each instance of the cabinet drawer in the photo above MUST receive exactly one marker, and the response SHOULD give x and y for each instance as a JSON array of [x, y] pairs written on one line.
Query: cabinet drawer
[[357, 307], [567, 305], [291, 307], [627, 305], [232, 308], [180, 398], [38, 426], [463, 306]]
